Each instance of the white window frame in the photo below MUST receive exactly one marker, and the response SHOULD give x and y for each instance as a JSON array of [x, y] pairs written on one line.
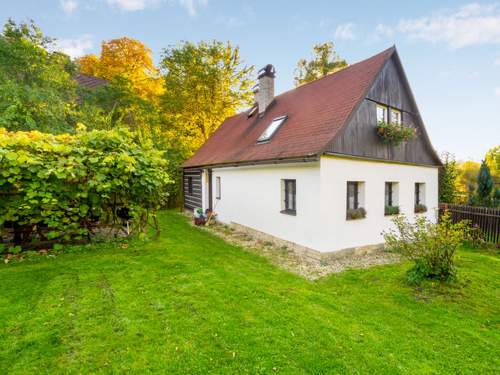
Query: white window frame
[[289, 207], [217, 188], [421, 193], [386, 113], [271, 129], [393, 112]]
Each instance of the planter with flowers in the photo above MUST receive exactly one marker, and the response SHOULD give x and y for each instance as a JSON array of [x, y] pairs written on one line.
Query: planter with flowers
[[394, 134], [419, 208], [356, 213]]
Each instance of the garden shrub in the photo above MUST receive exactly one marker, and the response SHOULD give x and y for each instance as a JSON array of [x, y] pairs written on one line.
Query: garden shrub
[[430, 246], [57, 186]]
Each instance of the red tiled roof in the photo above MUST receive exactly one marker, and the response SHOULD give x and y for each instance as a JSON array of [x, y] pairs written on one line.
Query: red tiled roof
[[316, 112], [88, 81]]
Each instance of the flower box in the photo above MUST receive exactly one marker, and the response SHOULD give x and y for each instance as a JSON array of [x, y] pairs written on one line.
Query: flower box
[[356, 213]]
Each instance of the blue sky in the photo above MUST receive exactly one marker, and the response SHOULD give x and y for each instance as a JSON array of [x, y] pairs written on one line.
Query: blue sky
[[450, 49]]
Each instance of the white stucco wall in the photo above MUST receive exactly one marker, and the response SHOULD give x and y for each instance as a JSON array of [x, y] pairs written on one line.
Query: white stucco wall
[[251, 196], [335, 172]]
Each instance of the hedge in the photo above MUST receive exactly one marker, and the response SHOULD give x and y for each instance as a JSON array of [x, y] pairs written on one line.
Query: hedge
[[59, 186]]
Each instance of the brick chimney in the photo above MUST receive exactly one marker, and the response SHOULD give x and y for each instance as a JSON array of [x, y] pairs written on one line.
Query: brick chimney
[[264, 94]]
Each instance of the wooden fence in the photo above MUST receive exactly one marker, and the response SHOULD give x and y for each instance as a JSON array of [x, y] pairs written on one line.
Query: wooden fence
[[487, 219]]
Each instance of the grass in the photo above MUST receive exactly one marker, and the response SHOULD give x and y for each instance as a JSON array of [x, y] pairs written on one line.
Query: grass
[[190, 303]]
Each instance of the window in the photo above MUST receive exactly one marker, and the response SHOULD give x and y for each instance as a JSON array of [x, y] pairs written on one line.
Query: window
[[391, 198], [217, 187], [355, 200], [352, 195], [190, 185], [381, 113], [388, 193], [288, 202], [271, 129], [395, 116], [419, 194]]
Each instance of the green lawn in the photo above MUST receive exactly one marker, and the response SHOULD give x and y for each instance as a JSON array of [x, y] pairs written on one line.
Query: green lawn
[[190, 303]]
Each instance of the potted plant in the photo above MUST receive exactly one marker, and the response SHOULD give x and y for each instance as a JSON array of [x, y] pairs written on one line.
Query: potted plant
[[356, 213], [394, 134], [420, 208], [199, 217], [391, 210]]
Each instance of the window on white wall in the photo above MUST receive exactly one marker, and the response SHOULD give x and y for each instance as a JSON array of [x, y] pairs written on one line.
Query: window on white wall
[[288, 197], [391, 198], [355, 200], [217, 188], [420, 197]]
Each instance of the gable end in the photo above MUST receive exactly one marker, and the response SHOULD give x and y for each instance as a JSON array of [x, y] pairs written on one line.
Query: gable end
[[358, 136]]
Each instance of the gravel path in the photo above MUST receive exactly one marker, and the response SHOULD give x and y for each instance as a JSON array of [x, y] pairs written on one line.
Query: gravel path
[[286, 258]]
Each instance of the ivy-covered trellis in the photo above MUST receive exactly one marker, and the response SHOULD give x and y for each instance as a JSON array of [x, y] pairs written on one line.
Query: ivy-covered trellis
[[65, 188]]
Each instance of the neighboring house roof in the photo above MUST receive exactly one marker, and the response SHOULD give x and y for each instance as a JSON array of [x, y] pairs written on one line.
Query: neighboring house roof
[[88, 81], [316, 112]]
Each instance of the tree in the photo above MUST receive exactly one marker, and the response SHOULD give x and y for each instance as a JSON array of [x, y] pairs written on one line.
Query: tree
[[492, 159], [484, 186], [128, 59], [467, 181], [447, 179], [204, 84], [325, 61], [36, 89]]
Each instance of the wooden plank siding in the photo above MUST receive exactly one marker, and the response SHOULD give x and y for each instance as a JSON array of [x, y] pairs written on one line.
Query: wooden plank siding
[[192, 200], [359, 137], [487, 219]]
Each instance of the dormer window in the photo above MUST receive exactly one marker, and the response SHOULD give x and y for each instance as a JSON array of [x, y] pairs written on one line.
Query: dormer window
[[271, 129]]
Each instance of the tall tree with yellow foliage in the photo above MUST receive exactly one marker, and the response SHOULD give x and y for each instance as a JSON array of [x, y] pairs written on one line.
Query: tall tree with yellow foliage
[[204, 84], [128, 59]]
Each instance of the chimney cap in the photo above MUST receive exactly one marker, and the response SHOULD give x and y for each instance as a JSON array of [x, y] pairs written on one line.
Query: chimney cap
[[268, 71]]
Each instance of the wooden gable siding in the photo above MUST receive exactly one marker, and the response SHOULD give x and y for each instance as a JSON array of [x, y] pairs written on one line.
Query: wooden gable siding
[[192, 200], [359, 138]]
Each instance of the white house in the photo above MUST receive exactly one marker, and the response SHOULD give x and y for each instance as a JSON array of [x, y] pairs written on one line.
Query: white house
[[310, 166]]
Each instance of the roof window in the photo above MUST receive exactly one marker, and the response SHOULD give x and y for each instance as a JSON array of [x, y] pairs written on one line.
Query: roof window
[[271, 129]]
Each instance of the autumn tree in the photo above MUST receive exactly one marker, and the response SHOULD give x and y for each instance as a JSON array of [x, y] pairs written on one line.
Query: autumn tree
[[36, 89], [128, 59], [466, 181], [204, 84], [325, 61], [492, 159]]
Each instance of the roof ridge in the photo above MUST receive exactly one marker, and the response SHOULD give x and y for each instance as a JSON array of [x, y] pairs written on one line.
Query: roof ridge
[[387, 50]]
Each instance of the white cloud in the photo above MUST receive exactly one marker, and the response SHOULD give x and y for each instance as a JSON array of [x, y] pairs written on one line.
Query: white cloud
[[131, 5], [134, 5], [497, 61], [470, 24], [496, 91], [68, 6], [192, 5], [345, 32], [74, 47], [384, 30]]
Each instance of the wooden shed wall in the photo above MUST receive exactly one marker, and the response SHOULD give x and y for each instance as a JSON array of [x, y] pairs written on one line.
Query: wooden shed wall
[[192, 200]]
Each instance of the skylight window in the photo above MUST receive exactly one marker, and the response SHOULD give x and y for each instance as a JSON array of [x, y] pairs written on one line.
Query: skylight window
[[271, 129]]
